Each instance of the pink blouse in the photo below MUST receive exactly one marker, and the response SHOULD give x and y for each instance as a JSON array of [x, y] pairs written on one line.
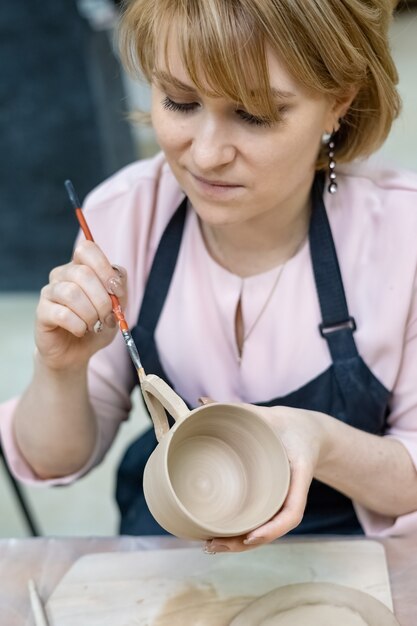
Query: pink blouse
[[374, 223]]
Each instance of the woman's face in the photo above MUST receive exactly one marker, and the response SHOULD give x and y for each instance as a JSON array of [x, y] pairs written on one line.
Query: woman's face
[[232, 167]]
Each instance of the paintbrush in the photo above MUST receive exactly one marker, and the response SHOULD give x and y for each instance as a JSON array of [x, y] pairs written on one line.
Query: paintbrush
[[117, 309]]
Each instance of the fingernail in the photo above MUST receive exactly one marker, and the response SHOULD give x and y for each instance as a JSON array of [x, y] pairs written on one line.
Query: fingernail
[[110, 321], [211, 547], [219, 547], [98, 327], [118, 270], [114, 286], [208, 547], [253, 541]]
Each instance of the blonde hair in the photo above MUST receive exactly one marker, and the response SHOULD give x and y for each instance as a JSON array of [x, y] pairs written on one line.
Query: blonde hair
[[332, 47]]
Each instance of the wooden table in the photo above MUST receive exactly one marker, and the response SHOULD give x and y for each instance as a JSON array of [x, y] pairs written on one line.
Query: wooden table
[[47, 560]]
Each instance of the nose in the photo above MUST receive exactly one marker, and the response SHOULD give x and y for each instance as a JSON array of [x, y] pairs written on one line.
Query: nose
[[212, 146]]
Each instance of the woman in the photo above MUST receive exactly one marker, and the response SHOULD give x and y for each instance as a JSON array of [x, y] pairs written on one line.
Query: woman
[[239, 288]]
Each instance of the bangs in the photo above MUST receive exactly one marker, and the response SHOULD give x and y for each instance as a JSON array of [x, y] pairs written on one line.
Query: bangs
[[330, 47], [221, 50]]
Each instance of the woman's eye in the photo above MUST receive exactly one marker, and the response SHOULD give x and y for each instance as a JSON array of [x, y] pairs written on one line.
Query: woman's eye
[[183, 107], [262, 121], [189, 107], [252, 119]]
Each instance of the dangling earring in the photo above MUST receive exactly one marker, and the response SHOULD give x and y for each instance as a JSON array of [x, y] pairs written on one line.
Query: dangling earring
[[329, 140]]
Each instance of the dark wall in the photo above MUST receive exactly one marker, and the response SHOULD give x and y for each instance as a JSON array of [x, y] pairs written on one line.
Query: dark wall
[[55, 123]]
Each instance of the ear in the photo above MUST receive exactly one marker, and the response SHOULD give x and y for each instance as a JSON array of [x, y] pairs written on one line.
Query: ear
[[339, 107]]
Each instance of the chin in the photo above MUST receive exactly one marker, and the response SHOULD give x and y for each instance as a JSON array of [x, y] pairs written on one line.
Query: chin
[[216, 214]]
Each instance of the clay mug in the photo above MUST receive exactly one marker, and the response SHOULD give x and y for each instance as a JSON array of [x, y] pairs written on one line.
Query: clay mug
[[220, 471]]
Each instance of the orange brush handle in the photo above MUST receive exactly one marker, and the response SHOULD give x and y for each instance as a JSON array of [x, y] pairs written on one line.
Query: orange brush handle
[[117, 309], [82, 222]]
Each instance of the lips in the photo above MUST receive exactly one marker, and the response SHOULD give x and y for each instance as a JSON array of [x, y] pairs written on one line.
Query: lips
[[215, 183]]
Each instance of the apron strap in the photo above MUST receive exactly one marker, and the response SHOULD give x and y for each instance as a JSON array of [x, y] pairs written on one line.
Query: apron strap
[[162, 270], [337, 325]]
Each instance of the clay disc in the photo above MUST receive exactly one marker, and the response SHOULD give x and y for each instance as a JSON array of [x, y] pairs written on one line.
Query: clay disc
[[315, 604]]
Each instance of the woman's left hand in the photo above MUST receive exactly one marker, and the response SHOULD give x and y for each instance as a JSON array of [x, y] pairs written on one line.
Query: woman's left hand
[[303, 434]]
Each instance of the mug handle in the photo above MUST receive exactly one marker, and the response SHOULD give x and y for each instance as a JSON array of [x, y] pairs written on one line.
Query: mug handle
[[159, 396]]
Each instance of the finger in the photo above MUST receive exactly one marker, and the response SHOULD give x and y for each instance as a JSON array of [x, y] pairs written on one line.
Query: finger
[[291, 514], [52, 316], [72, 296], [226, 544], [288, 518], [84, 278], [83, 293], [112, 277]]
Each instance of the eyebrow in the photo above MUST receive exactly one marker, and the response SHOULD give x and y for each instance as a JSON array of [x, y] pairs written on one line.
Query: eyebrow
[[167, 79]]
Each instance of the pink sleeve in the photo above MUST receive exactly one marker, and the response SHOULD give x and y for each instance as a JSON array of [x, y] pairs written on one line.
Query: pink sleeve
[[376, 525], [402, 423]]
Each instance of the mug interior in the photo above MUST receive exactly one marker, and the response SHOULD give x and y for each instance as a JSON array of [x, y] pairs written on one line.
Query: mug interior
[[228, 469]]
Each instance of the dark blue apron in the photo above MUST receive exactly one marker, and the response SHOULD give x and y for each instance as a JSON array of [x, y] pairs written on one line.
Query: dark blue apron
[[347, 390]]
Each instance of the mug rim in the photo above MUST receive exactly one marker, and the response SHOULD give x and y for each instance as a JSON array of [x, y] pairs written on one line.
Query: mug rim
[[217, 532]]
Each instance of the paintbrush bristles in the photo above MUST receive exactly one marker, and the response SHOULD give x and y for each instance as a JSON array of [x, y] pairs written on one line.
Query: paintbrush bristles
[[78, 211], [72, 194]]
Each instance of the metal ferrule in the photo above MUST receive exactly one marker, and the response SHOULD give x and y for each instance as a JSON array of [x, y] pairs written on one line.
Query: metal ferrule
[[133, 351]]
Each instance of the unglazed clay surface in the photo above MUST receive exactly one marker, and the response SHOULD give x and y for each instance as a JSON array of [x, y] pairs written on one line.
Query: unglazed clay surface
[[140, 588], [315, 604], [200, 607], [319, 614], [220, 471], [209, 478], [203, 607]]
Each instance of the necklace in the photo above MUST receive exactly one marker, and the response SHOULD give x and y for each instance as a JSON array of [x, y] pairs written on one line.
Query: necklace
[[250, 330]]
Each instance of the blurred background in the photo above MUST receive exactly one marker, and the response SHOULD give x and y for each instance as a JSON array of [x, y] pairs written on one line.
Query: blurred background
[[64, 102]]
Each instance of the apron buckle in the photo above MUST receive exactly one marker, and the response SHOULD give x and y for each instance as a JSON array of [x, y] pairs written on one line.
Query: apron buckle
[[334, 327]]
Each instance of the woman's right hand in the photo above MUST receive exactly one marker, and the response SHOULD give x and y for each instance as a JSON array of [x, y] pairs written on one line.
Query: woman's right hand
[[71, 305]]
